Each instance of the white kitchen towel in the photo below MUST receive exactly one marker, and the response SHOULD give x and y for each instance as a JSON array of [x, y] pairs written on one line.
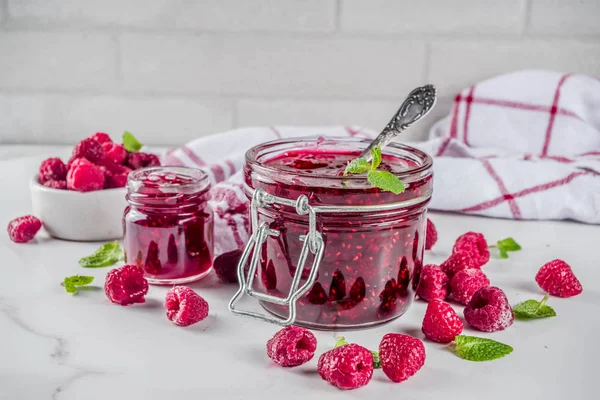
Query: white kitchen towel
[[524, 145]]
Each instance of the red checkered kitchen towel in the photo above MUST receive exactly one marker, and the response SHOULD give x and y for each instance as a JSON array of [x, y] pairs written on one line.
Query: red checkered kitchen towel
[[524, 145]]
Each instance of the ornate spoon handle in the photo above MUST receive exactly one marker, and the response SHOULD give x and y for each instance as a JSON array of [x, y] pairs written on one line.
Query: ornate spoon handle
[[418, 103]]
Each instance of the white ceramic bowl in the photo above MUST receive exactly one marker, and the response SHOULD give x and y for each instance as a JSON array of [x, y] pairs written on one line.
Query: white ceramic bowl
[[70, 215]]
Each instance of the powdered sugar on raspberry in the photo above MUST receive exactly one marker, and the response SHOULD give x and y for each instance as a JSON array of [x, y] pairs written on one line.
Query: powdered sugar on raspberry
[[441, 324], [292, 346], [346, 367], [23, 229], [557, 278], [457, 262], [475, 245], [465, 283], [401, 356], [433, 283], [52, 169], [489, 310], [84, 176], [126, 285], [184, 306]]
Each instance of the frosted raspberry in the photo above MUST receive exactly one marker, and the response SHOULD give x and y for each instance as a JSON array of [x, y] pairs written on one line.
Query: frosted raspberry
[[184, 306], [84, 176], [115, 175], [465, 283], [433, 283], [457, 262], [142, 160], [489, 310], [292, 346], [441, 324], [431, 235], [126, 285], [101, 137], [23, 229], [89, 149], [475, 245], [557, 278], [52, 169], [401, 356], [62, 185], [346, 367], [114, 152]]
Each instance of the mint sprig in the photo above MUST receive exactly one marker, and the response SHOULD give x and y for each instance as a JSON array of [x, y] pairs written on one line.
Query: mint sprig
[[341, 341], [474, 348], [381, 179], [506, 245], [71, 283], [533, 309], [106, 255], [130, 143]]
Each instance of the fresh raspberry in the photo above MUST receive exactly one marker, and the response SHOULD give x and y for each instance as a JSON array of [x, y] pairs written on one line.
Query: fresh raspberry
[[441, 324], [114, 152], [465, 283], [52, 169], [292, 346], [89, 149], [558, 279], [115, 175], [184, 306], [85, 176], [142, 160], [346, 367], [225, 266], [433, 283], [101, 137], [401, 356], [62, 185], [457, 262], [475, 245], [431, 235], [126, 285], [23, 229], [489, 310]]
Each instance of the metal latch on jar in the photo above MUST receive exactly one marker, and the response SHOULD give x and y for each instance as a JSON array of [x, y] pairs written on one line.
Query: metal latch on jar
[[313, 243]]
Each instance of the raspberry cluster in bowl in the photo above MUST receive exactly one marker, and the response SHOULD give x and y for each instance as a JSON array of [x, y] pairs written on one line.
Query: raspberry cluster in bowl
[[96, 163]]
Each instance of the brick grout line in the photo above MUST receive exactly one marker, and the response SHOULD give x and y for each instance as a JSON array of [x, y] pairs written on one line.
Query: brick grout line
[[553, 114], [514, 207]]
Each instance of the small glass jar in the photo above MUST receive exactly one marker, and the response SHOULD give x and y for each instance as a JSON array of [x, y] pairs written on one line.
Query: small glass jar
[[368, 243], [168, 224]]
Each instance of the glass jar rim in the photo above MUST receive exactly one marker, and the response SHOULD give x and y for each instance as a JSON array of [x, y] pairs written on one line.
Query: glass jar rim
[[199, 181], [398, 150]]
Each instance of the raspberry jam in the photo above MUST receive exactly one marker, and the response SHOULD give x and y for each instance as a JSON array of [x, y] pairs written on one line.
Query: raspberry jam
[[169, 224], [372, 253]]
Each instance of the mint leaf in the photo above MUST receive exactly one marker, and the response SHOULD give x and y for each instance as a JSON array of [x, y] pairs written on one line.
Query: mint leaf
[[130, 143], [480, 349], [503, 253], [533, 309], [106, 255], [376, 155], [71, 283], [341, 341], [508, 244], [385, 180], [357, 166]]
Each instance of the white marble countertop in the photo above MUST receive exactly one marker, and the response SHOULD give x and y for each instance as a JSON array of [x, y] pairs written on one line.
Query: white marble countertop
[[57, 346]]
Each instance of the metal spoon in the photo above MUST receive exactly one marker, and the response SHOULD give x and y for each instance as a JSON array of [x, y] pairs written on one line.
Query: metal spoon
[[418, 103]]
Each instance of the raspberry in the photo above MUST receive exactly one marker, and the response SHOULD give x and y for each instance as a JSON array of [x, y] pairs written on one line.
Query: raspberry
[[114, 152], [115, 175], [431, 235], [558, 279], [126, 285], [346, 367], [475, 245], [52, 169], [84, 176], [489, 310], [225, 266], [89, 149], [441, 324], [184, 306], [23, 229], [292, 346], [401, 356], [433, 283], [457, 262], [142, 160], [465, 283], [56, 184], [101, 137]]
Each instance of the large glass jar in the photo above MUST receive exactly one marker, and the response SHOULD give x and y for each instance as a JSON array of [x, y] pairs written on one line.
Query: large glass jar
[[372, 240], [169, 224]]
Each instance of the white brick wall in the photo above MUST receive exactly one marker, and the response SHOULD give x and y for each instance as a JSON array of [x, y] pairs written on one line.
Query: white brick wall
[[171, 70]]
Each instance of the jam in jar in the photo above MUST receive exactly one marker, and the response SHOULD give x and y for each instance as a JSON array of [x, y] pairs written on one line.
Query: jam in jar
[[372, 240], [169, 224]]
